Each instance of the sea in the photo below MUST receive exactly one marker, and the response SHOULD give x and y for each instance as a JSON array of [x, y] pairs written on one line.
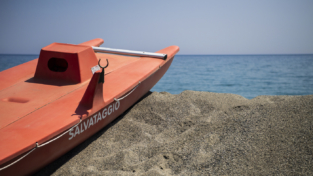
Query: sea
[[245, 75]]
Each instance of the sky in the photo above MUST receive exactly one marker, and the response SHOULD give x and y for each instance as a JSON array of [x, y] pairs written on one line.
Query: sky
[[196, 26]]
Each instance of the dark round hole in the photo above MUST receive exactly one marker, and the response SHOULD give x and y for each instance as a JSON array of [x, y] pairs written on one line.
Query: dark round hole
[[57, 64]]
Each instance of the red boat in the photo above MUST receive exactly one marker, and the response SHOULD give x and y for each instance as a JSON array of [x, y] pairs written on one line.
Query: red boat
[[51, 104]]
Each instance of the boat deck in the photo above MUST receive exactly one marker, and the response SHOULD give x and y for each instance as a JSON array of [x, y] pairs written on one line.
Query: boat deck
[[41, 111], [23, 97]]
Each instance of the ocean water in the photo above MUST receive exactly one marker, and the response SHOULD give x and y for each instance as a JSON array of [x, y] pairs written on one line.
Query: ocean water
[[246, 75], [11, 60]]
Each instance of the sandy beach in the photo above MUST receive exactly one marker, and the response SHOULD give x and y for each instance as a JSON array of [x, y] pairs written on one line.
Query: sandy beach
[[200, 133]]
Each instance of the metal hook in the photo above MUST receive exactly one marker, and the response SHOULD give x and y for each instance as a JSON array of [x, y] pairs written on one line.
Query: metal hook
[[104, 66], [101, 78]]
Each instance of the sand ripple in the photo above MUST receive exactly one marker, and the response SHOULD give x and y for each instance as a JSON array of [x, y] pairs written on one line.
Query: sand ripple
[[200, 133]]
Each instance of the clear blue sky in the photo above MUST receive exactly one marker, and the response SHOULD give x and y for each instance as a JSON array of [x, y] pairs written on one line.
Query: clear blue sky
[[196, 26]]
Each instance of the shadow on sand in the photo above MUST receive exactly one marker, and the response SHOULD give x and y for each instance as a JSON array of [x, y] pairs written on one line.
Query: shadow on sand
[[52, 167]]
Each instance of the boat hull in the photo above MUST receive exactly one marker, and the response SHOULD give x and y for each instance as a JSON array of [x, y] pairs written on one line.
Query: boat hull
[[87, 127]]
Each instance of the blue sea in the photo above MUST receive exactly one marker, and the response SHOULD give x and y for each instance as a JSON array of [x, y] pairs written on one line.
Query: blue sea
[[246, 75]]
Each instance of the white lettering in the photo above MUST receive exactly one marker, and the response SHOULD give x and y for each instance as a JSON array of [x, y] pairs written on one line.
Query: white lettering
[[117, 105], [90, 122], [110, 110], [76, 131], [94, 119], [104, 113], [99, 117], [81, 129], [86, 125], [71, 134]]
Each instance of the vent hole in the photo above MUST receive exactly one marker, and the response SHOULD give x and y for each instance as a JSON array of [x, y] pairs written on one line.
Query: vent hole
[[16, 100], [57, 64]]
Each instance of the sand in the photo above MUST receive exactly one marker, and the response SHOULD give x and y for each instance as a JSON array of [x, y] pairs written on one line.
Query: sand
[[200, 133]]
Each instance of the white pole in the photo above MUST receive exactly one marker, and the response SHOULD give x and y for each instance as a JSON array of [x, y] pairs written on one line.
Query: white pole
[[129, 52]]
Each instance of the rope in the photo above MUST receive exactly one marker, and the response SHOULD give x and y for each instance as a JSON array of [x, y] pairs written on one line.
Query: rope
[[37, 146], [128, 93], [43, 144], [59, 135], [18, 159]]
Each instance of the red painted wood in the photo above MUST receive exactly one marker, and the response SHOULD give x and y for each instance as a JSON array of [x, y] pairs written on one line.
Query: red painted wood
[[37, 107]]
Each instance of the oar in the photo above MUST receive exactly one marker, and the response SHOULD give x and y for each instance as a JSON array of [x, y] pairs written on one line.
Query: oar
[[129, 52]]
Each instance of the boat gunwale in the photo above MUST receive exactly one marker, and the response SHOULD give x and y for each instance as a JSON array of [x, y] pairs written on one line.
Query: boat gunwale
[[78, 121]]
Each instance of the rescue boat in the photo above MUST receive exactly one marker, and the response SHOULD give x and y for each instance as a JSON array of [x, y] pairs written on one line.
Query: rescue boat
[[51, 104]]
